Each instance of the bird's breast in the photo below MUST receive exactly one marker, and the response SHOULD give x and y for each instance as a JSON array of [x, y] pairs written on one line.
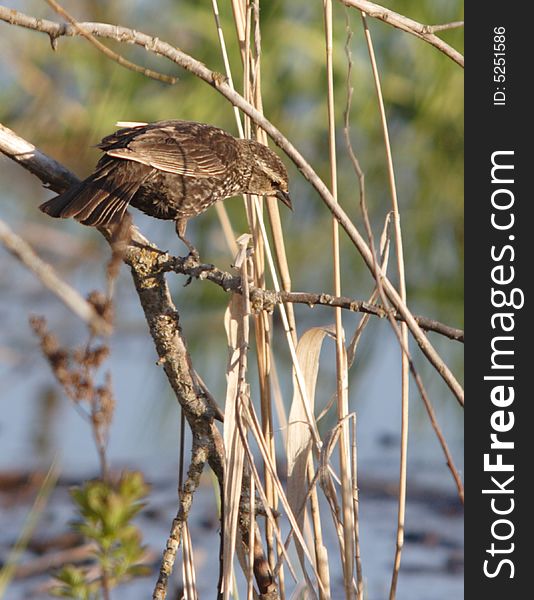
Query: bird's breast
[[171, 196]]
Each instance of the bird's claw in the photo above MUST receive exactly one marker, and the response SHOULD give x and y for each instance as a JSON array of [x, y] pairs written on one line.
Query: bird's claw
[[192, 259], [193, 255]]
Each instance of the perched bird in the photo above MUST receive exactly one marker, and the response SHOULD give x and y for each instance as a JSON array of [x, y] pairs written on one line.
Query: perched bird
[[170, 170]]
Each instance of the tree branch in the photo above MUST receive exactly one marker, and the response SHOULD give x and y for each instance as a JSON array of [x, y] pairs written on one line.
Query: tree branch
[[49, 278], [53, 175], [262, 299], [198, 460], [423, 32]]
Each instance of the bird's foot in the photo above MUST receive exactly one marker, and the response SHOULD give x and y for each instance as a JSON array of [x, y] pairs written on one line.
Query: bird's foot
[[193, 254], [181, 224], [192, 259]]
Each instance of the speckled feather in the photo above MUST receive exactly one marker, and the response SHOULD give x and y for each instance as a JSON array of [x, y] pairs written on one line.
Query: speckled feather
[[170, 170]]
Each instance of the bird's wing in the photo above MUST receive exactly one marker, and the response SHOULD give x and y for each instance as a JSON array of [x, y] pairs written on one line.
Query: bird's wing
[[172, 151]]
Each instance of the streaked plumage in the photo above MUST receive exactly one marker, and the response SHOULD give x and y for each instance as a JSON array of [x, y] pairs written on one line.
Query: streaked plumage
[[170, 170]]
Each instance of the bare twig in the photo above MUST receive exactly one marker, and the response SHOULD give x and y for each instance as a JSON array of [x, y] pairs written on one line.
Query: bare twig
[[50, 172], [424, 32], [253, 423], [264, 299], [420, 386], [49, 278], [198, 460], [444, 27], [237, 331], [244, 13], [356, 500], [105, 50], [351, 352], [415, 374], [75, 369]]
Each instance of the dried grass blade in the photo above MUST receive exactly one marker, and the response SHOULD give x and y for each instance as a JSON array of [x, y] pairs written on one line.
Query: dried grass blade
[[236, 331], [188, 566]]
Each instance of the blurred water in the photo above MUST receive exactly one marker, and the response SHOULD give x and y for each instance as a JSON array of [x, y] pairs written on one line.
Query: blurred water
[[146, 416]]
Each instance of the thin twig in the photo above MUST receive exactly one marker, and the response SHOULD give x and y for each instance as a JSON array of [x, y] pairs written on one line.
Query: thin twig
[[444, 27], [53, 174], [256, 429], [351, 352], [105, 50], [422, 392], [421, 31], [265, 299], [415, 374], [49, 278], [260, 322], [252, 90], [356, 500], [199, 456], [226, 61]]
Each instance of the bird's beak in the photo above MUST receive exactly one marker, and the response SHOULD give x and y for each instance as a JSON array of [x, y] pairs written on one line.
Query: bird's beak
[[284, 197]]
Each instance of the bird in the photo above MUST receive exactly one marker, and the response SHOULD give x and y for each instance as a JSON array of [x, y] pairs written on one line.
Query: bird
[[171, 170]]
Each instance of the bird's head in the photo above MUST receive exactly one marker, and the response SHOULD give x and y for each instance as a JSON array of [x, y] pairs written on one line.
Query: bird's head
[[268, 176]]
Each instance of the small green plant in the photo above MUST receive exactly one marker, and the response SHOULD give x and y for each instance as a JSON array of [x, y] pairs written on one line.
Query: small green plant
[[72, 583], [106, 511]]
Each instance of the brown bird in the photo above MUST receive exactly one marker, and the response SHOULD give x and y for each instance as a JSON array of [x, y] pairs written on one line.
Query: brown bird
[[170, 170]]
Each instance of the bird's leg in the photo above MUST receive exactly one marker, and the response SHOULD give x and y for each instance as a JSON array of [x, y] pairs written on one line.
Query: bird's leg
[[181, 225]]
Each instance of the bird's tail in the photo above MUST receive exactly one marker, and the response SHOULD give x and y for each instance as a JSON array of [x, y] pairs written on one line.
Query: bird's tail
[[101, 199]]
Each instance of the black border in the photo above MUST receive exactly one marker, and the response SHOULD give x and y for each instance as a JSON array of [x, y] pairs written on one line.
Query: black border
[[491, 128]]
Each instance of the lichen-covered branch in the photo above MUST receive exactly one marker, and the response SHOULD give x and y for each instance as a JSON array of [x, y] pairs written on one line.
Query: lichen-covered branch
[[262, 299], [198, 460]]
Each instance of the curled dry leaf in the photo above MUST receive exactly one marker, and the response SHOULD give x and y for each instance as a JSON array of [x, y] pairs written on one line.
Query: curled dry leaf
[[299, 437]]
